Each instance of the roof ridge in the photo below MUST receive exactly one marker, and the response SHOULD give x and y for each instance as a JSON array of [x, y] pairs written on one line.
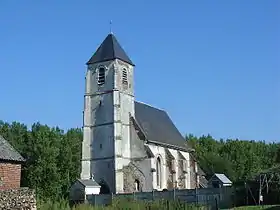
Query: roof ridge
[[151, 106], [113, 44]]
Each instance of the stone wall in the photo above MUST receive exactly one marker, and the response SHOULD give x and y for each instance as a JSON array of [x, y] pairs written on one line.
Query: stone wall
[[193, 173], [22, 199], [170, 173], [181, 175], [133, 174], [9, 175]]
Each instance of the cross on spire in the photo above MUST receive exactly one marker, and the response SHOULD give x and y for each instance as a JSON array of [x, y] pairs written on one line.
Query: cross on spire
[[111, 32]]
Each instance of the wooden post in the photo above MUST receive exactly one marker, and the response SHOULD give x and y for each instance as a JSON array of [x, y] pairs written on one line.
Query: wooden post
[[216, 202], [246, 188], [196, 196], [133, 195], [260, 189]]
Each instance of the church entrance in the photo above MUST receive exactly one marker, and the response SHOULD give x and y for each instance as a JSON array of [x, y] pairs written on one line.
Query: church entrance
[[104, 189]]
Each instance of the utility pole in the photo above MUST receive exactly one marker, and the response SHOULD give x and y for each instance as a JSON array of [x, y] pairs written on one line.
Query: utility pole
[[260, 190]]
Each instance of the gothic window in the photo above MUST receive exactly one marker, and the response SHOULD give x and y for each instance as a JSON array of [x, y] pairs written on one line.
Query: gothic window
[[158, 168], [124, 77], [137, 185], [101, 75]]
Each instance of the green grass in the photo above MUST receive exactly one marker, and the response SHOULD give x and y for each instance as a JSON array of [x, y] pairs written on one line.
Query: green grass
[[119, 205], [257, 207]]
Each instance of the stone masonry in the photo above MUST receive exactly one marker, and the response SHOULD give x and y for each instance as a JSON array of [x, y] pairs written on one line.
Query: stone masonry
[[21, 199]]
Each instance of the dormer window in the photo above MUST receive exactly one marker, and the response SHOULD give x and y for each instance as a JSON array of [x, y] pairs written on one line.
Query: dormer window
[[124, 77], [101, 75]]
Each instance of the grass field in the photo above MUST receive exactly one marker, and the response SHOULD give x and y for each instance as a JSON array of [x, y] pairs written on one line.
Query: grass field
[[119, 205], [138, 205], [257, 208]]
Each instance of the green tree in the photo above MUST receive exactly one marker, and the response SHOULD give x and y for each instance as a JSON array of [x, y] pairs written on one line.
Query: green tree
[[69, 157], [236, 158], [43, 150]]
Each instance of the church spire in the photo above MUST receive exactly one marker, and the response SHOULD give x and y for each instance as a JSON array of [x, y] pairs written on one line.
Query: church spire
[[110, 49]]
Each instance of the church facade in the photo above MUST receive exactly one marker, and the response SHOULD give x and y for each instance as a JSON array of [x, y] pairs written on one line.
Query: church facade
[[127, 145]]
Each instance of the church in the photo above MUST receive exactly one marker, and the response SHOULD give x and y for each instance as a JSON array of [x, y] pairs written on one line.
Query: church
[[129, 146]]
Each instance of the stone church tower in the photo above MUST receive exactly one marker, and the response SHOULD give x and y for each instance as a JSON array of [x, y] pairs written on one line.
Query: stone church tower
[[108, 106]]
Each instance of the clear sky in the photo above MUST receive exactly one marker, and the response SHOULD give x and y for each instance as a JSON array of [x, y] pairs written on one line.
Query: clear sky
[[212, 65]]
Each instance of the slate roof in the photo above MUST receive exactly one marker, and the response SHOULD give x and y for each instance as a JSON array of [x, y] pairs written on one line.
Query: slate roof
[[7, 152], [89, 182], [223, 178], [110, 49], [202, 179], [158, 127], [203, 182]]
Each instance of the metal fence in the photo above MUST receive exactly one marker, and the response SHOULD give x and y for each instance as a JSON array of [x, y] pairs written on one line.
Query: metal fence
[[207, 197]]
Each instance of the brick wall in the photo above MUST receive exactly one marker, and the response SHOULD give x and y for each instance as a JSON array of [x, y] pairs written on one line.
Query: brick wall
[[9, 175]]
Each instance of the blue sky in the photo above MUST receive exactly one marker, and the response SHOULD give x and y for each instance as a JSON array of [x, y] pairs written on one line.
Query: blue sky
[[212, 65]]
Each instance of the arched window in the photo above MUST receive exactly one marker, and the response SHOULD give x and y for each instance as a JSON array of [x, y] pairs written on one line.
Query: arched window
[[137, 185], [124, 77], [101, 75], [158, 165]]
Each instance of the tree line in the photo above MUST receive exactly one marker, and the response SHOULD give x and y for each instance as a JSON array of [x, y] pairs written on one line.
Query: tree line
[[53, 156], [243, 162], [238, 159]]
